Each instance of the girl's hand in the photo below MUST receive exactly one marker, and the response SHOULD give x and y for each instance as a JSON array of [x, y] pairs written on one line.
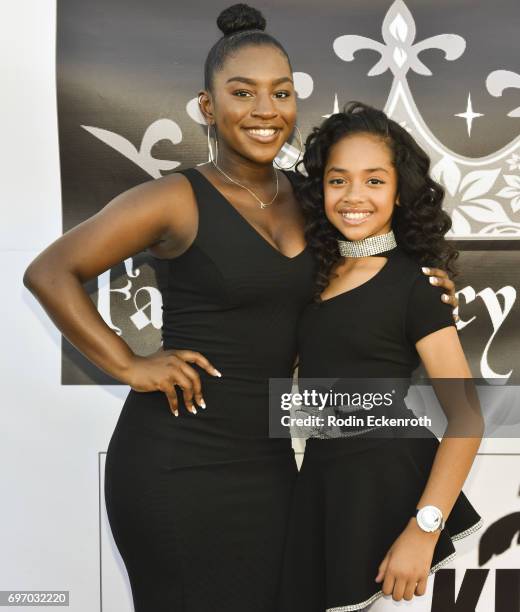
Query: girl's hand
[[406, 566], [164, 369], [440, 278]]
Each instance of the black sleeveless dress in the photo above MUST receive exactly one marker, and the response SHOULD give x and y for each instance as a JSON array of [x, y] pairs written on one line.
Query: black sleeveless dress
[[355, 495], [198, 504]]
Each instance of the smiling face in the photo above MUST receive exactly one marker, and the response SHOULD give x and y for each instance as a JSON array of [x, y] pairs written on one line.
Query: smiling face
[[253, 103], [360, 186]]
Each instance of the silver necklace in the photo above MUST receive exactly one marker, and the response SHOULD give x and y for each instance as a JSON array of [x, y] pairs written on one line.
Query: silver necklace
[[262, 204], [368, 246]]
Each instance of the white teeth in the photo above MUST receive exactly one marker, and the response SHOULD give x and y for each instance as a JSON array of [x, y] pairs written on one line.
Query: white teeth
[[356, 215], [263, 132]]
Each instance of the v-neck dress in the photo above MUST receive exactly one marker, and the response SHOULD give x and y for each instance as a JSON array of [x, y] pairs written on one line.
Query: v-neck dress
[[198, 504], [355, 494]]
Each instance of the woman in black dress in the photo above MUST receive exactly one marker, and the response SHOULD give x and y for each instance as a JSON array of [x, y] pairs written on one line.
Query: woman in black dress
[[198, 499], [374, 217]]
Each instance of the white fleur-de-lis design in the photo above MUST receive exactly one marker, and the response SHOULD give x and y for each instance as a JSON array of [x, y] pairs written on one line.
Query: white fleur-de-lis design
[[399, 53], [162, 129], [498, 80]]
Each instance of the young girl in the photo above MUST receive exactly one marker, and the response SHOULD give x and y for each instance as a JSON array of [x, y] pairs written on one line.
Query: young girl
[[368, 512]]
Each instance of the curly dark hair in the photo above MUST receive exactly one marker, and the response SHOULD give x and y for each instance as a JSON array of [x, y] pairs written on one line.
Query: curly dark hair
[[419, 223]]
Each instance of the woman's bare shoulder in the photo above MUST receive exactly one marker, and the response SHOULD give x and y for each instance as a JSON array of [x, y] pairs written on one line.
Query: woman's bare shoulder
[[136, 219]]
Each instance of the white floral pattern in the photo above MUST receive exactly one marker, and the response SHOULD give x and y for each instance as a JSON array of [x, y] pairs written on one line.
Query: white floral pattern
[[472, 193], [512, 191]]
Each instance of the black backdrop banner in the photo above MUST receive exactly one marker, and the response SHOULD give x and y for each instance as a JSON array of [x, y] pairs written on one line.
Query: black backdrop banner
[[128, 73]]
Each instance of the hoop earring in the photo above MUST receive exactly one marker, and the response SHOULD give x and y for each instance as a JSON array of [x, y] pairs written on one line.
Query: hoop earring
[[300, 152], [210, 148]]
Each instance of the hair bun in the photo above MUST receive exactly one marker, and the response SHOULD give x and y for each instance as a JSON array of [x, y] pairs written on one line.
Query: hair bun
[[240, 17]]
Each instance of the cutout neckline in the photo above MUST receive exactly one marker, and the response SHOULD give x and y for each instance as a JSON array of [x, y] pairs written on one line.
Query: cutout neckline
[[386, 265]]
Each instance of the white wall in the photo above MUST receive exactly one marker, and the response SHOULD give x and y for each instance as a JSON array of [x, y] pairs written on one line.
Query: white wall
[[51, 434]]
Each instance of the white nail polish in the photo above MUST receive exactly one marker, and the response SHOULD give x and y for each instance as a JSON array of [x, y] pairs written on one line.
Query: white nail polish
[[445, 297], [176, 412], [433, 280], [194, 410], [217, 373], [202, 404], [426, 270]]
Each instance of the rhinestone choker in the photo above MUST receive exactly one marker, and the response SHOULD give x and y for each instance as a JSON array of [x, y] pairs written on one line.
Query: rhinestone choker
[[368, 246]]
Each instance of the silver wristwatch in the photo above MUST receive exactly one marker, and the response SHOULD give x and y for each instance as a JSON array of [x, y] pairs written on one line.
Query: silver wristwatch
[[429, 518]]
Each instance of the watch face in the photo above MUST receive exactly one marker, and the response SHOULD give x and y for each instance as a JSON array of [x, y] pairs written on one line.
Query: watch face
[[429, 518]]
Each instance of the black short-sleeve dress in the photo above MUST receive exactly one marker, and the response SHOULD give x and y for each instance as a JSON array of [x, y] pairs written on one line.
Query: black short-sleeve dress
[[355, 495]]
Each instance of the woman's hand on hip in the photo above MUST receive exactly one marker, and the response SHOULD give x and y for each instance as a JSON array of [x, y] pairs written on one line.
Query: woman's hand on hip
[[165, 369]]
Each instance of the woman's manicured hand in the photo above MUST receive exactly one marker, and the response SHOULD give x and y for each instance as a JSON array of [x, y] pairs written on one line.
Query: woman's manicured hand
[[164, 369], [406, 566], [440, 278]]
